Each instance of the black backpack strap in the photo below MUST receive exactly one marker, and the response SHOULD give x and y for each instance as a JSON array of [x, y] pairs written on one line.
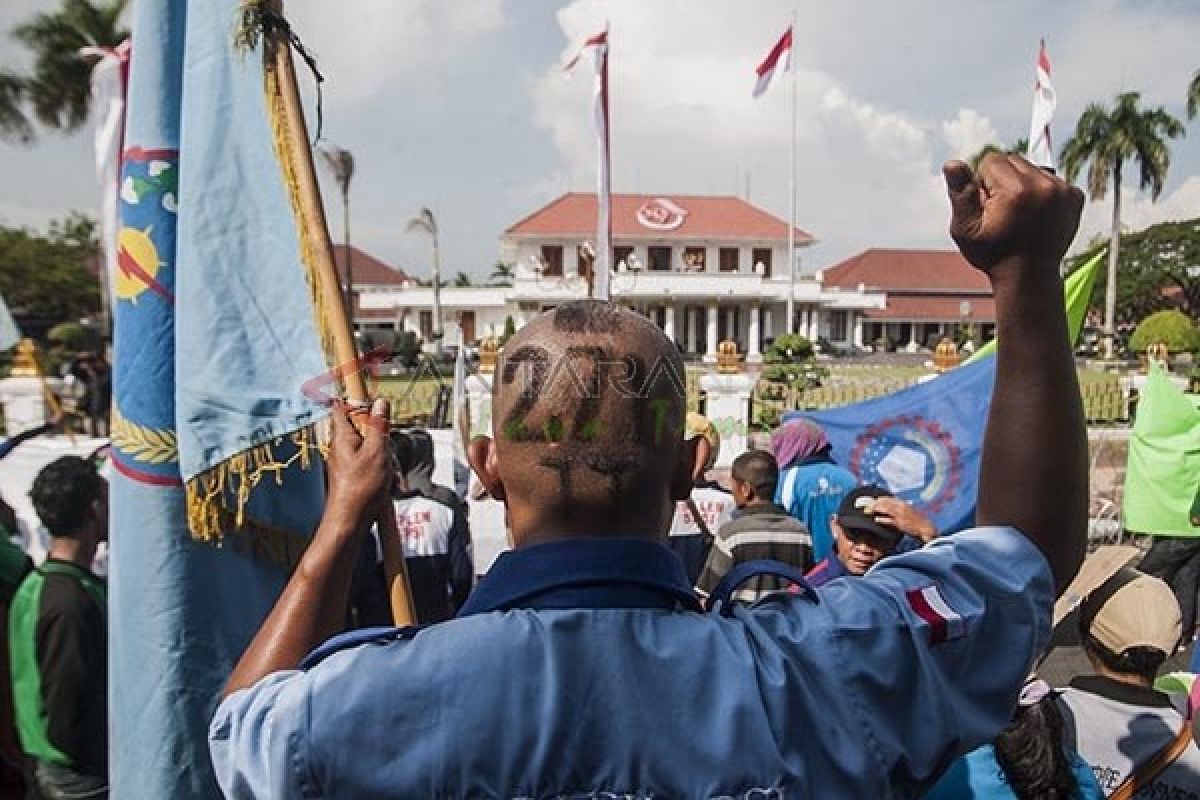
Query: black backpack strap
[[722, 595]]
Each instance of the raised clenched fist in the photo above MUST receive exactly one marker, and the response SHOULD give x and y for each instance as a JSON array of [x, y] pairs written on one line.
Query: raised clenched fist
[[1010, 214]]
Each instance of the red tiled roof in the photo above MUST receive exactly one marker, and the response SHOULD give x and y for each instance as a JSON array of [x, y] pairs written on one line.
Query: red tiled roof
[[373, 313], [574, 214], [941, 308], [908, 270], [368, 270]]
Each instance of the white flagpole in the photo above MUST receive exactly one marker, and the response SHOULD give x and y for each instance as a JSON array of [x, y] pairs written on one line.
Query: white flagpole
[[791, 251]]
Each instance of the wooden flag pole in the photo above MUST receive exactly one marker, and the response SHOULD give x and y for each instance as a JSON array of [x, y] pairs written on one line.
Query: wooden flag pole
[[345, 351]]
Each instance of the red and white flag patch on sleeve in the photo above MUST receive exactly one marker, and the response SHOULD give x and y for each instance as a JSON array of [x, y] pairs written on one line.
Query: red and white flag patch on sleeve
[[945, 624]]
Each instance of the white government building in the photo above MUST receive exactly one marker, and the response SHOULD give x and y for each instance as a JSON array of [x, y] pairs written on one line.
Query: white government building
[[705, 268]]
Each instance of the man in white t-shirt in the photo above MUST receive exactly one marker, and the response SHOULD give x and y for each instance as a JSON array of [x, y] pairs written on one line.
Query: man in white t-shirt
[[709, 506], [1114, 718]]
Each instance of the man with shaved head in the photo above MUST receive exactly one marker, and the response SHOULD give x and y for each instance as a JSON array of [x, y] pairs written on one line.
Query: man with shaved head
[[582, 665]]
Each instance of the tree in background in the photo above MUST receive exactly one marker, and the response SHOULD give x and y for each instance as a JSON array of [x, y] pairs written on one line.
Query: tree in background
[[1173, 328], [59, 89], [789, 363], [462, 280], [1157, 270], [502, 275], [425, 222], [1109, 139], [1193, 96], [341, 165], [1019, 148], [50, 278], [14, 125]]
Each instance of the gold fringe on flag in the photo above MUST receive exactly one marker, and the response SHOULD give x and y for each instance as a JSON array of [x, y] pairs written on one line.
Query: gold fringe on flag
[[218, 497]]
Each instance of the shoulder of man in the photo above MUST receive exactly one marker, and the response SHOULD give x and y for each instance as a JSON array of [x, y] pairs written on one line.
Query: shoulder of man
[[446, 496], [63, 594]]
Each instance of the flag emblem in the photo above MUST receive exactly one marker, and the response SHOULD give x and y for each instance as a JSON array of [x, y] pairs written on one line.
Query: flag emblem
[[911, 456], [660, 214], [945, 624]]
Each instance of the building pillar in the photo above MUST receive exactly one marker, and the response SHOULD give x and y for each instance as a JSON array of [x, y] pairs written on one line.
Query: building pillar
[[858, 330], [669, 321], [753, 350], [710, 344], [814, 325], [768, 323], [913, 345]]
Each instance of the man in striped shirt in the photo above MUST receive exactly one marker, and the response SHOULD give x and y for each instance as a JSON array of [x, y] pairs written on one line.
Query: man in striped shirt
[[759, 530]]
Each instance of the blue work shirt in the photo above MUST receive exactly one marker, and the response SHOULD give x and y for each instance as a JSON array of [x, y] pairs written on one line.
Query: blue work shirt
[[579, 669], [812, 493], [978, 776], [830, 567]]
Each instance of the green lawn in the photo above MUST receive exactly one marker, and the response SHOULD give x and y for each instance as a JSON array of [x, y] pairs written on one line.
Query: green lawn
[[413, 399]]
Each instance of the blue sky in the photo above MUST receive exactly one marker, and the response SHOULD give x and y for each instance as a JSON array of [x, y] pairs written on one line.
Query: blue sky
[[462, 107]]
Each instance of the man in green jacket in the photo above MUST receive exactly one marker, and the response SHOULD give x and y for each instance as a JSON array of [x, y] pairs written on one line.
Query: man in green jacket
[[57, 638]]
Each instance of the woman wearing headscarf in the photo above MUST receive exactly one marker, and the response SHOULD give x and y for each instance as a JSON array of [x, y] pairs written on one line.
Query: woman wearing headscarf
[[811, 486]]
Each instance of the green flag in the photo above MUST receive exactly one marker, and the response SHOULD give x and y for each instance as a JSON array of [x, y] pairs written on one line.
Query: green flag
[[1077, 293], [1162, 476]]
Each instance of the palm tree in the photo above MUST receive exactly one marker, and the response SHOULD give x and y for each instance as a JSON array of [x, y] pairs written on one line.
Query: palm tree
[[1108, 138], [462, 280], [341, 164], [14, 125], [1019, 147], [1193, 96], [59, 90], [502, 274], [426, 223]]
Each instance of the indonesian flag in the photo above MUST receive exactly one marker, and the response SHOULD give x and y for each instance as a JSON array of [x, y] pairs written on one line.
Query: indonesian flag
[[110, 75], [1041, 150], [766, 70], [945, 624], [602, 267]]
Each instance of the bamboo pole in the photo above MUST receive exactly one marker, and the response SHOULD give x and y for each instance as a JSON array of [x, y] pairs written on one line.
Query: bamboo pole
[[345, 350]]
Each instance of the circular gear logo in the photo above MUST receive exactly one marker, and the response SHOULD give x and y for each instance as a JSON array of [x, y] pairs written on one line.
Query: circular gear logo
[[912, 457]]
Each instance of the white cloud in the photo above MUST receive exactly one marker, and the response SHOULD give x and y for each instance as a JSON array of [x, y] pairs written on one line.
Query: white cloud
[[1138, 211], [461, 106], [968, 132], [684, 121], [370, 45]]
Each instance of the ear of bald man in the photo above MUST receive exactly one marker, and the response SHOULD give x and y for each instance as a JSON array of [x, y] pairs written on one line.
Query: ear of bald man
[[693, 455]]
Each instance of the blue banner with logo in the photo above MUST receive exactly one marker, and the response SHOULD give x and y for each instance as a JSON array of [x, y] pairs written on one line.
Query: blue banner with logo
[[922, 443], [213, 337]]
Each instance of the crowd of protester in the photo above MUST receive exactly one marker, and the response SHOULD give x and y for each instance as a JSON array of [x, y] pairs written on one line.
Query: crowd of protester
[[852, 649]]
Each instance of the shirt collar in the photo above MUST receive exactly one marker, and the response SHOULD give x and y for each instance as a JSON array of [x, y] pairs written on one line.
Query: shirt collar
[[1127, 693], [584, 573], [771, 509]]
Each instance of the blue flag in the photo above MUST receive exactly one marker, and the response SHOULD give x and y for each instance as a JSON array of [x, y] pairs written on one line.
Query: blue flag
[[214, 337], [922, 443]]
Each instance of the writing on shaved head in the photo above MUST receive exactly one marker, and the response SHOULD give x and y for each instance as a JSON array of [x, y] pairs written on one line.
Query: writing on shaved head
[[589, 401]]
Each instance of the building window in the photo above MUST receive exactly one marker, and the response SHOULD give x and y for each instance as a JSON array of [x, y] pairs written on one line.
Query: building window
[[552, 258], [660, 258], [837, 326], [621, 254], [426, 324], [730, 258], [693, 259], [762, 255]]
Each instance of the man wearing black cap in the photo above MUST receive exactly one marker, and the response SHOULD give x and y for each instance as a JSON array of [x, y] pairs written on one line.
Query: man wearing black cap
[[870, 524]]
